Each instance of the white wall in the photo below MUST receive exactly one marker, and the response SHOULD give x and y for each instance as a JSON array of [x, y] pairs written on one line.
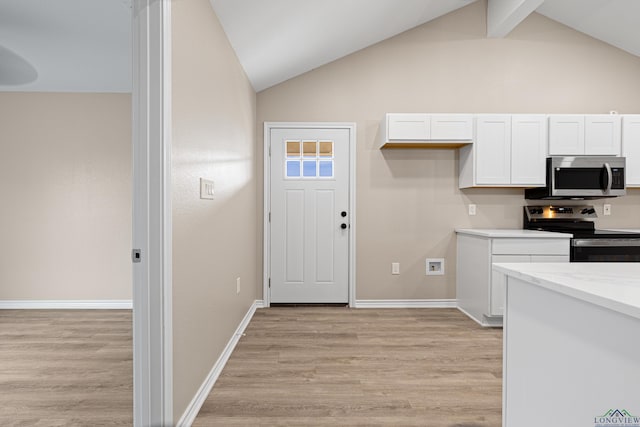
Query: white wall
[[65, 181], [408, 200]]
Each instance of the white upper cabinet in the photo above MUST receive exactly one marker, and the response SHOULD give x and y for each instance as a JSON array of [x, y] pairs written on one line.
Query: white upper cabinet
[[417, 130], [528, 149], [602, 134], [508, 151], [493, 149], [451, 127], [631, 148], [566, 135], [593, 134], [408, 127]]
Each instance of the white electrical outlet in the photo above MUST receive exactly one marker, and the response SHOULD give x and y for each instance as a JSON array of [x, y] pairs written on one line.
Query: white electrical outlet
[[206, 189], [435, 266], [606, 209], [238, 286], [395, 268], [472, 210]]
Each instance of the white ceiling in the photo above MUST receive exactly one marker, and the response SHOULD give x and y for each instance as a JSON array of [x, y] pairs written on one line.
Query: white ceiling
[[65, 45], [85, 45], [279, 39], [616, 22]]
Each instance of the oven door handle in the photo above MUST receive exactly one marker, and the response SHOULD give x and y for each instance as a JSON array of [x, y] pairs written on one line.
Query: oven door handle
[[592, 243], [607, 188]]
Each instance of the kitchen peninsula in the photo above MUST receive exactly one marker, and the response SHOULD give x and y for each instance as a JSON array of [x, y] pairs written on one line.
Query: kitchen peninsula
[[571, 343]]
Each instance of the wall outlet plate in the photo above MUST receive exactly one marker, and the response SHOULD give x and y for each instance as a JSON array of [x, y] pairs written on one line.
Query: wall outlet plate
[[472, 209], [606, 209], [435, 266]]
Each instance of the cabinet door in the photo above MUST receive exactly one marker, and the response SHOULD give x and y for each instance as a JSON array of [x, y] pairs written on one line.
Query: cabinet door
[[566, 135], [498, 282], [451, 127], [528, 149], [493, 149], [408, 127], [602, 134], [631, 148]]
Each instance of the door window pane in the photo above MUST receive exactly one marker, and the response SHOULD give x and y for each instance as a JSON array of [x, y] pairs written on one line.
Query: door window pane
[[310, 148], [326, 149], [293, 149], [293, 168], [309, 168], [326, 168]]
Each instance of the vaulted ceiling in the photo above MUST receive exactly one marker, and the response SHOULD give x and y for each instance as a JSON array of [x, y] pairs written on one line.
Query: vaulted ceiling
[[85, 45]]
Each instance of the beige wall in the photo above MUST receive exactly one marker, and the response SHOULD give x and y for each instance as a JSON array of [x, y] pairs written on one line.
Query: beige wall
[[408, 201], [65, 181], [214, 241]]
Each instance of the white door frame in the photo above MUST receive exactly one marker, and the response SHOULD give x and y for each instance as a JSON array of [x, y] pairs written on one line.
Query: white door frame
[[151, 103], [266, 259]]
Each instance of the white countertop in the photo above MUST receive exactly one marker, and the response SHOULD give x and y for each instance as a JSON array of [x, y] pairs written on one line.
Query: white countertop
[[512, 232], [615, 286]]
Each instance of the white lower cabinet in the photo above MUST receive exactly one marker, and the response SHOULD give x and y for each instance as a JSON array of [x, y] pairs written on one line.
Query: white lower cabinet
[[480, 291]]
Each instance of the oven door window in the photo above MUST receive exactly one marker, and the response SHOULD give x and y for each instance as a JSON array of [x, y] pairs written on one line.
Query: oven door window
[[606, 254]]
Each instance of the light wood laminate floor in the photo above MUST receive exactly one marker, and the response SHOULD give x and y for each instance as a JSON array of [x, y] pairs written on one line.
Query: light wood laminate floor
[[66, 368], [367, 367]]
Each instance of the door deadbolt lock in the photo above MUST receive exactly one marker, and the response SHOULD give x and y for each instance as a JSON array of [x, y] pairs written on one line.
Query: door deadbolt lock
[[343, 214]]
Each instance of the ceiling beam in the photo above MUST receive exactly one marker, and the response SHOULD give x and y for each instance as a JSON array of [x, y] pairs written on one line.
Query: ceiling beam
[[504, 15]]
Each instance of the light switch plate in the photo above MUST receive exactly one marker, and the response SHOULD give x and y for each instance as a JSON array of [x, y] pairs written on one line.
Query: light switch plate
[[395, 268], [206, 189]]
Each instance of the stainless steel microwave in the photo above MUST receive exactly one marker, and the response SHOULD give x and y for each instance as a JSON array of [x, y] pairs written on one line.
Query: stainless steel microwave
[[582, 177]]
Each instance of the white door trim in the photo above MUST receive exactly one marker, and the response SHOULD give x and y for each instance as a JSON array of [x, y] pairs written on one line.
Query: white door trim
[[351, 127], [151, 103]]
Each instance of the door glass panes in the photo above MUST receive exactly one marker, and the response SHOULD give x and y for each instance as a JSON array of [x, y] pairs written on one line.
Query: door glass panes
[[292, 159], [309, 159]]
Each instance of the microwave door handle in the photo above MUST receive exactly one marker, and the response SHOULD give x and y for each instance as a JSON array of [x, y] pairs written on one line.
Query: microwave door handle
[[609, 178]]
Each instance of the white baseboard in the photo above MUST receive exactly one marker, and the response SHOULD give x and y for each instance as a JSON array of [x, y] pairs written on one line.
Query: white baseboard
[[124, 304], [406, 303], [189, 415]]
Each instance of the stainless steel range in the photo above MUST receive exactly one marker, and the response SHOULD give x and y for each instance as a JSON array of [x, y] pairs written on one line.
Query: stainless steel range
[[587, 244]]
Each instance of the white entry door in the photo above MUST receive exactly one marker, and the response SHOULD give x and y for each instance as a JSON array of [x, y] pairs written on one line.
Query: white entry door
[[309, 249]]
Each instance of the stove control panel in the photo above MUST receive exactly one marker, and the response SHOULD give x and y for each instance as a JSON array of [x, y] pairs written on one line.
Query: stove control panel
[[578, 212]]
